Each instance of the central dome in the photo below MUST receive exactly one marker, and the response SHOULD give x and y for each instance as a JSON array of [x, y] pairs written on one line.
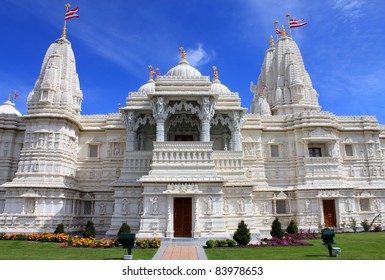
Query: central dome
[[184, 69]]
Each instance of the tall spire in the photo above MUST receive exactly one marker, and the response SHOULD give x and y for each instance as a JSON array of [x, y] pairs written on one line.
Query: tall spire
[[271, 42]]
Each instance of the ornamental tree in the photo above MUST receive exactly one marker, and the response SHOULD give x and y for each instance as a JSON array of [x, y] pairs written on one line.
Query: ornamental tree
[[242, 234]]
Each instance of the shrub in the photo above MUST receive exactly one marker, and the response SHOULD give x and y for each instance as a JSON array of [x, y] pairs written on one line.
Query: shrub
[[89, 231], [366, 225], [354, 225], [220, 243], [242, 234], [231, 243], [377, 228], [292, 228], [59, 229], [125, 228], [210, 243], [276, 229]]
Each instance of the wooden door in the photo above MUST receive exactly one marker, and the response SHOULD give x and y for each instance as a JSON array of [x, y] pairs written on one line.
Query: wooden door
[[330, 218], [182, 217]]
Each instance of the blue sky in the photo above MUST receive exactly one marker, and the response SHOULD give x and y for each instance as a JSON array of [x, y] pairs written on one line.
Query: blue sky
[[343, 46]]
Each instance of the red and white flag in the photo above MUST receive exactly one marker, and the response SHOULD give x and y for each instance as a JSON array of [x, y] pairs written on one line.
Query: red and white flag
[[295, 23], [71, 13], [277, 31]]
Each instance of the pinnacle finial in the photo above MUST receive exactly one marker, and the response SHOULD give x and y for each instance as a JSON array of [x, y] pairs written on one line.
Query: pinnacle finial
[[151, 71], [283, 31], [182, 53], [271, 42], [215, 73], [64, 32], [9, 97]]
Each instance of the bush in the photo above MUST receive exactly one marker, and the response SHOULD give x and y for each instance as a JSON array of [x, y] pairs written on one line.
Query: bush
[[231, 243], [377, 228], [292, 228], [354, 225], [59, 229], [242, 234], [210, 243], [89, 231], [366, 225], [125, 228], [220, 243], [276, 229]]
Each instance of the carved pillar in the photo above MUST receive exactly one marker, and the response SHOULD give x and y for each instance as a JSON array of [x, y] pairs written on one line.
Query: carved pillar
[[158, 111], [129, 121], [206, 114], [169, 230], [235, 128]]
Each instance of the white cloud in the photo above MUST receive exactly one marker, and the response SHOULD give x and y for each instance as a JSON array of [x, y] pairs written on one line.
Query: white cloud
[[349, 8], [199, 56]]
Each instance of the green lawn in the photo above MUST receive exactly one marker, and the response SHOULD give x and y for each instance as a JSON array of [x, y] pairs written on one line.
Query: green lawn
[[31, 250], [354, 246]]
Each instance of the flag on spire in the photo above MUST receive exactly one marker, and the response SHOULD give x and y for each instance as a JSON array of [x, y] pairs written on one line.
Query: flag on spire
[[295, 23], [277, 31], [71, 13]]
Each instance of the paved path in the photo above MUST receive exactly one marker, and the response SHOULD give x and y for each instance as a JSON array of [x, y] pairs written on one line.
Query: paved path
[[180, 253]]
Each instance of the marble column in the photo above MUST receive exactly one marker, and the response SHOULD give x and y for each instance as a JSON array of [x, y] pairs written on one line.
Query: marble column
[[160, 115], [205, 115], [235, 128]]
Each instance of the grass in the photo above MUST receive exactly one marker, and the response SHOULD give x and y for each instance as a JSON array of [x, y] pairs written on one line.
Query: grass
[[34, 250], [354, 246]]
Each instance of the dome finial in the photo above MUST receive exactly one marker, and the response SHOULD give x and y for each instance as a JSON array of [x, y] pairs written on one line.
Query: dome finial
[[182, 53], [151, 71], [283, 31], [215, 73], [9, 97], [271, 42]]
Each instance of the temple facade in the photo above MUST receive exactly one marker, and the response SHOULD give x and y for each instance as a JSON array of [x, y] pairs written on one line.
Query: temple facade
[[183, 158]]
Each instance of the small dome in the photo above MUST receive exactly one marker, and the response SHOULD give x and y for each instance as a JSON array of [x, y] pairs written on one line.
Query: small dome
[[149, 87], [8, 108], [184, 69], [217, 87]]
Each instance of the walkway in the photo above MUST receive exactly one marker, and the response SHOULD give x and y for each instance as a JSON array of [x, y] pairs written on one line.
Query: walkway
[[180, 253]]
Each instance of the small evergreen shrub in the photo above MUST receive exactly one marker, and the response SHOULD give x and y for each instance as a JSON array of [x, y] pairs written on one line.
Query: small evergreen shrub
[[89, 231], [242, 234], [231, 243], [366, 225], [292, 228], [124, 228], [276, 229], [210, 243], [354, 225], [59, 229]]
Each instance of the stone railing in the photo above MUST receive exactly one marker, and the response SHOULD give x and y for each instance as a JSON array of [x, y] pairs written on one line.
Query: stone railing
[[183, 158], [184, 153], [228, 160], [321, 167], [138, 160]]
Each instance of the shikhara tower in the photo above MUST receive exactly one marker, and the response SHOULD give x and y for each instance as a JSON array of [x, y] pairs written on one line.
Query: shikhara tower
[[182, 158]]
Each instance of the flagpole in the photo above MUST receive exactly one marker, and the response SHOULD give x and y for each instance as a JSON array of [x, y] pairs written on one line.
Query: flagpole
[[288, 22], [276, 27], [64, 33]]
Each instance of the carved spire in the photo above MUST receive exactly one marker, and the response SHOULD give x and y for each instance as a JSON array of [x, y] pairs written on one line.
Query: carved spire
[[151, 72], [271, 42]]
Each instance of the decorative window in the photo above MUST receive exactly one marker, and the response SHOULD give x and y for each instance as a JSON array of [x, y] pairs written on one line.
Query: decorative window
[[87, 207], [315, 152], [349, 150], [274, 151], [93, 150], [365, 204], [280, 207]]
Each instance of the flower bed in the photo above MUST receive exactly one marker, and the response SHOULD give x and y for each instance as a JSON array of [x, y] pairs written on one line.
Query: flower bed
[[77, 241]]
